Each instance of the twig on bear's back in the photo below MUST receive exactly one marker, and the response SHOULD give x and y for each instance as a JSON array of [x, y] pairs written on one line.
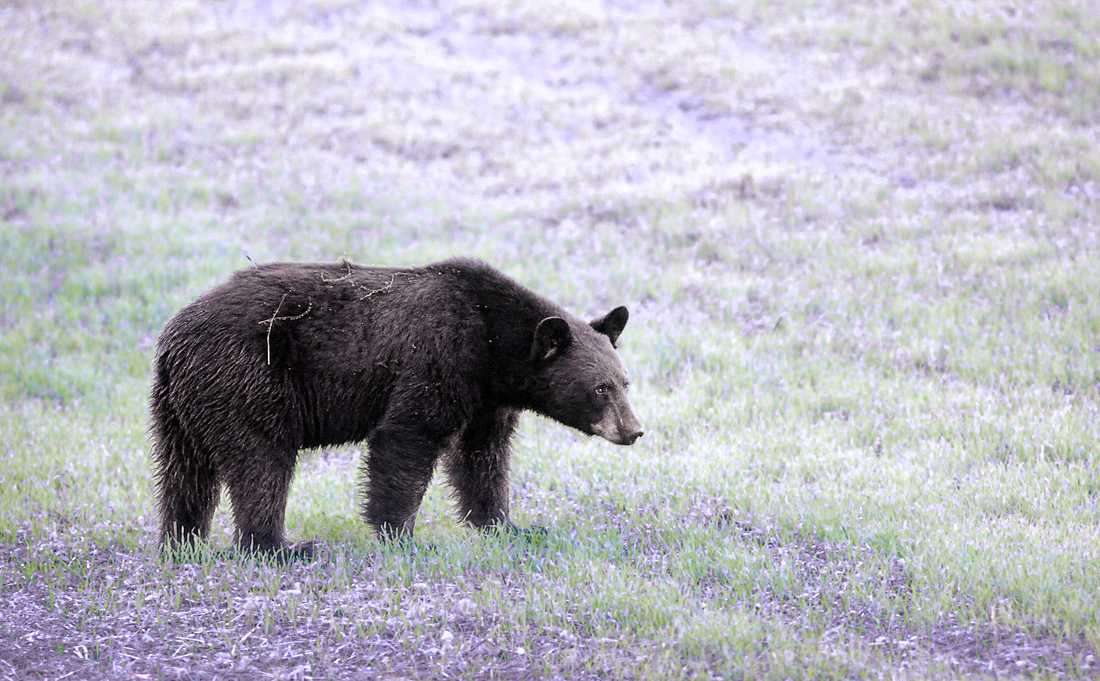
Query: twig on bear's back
[[270, 323], [275, 318], [332, 281], [387, 287]]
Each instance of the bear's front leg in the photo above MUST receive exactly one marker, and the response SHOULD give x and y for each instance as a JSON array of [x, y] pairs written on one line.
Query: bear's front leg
[[478, 469], [397, 470]]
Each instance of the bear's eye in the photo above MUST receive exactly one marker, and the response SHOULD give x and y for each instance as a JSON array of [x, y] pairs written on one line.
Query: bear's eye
[[601, 390]]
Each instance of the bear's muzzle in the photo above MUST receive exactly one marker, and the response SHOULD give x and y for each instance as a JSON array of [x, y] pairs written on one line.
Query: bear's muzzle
[[618, 425]]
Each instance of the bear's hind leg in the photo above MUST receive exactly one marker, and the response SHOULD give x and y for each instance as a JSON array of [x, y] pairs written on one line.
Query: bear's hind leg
[[478, 469], [258, 489], [187, 489]]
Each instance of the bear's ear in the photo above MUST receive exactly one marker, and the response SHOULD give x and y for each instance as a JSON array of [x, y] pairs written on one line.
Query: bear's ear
[[552, 336], [612, 324]]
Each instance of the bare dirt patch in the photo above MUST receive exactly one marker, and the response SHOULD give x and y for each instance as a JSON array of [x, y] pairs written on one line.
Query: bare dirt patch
[[116, 613]]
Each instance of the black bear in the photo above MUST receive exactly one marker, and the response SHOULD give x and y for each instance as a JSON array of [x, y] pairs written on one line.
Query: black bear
[[425, 364]]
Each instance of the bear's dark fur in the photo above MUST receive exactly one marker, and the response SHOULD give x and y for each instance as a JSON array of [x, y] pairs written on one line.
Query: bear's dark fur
[[424, 364]]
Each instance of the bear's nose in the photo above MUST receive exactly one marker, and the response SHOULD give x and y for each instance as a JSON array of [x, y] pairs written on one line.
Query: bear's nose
[[631, 437]]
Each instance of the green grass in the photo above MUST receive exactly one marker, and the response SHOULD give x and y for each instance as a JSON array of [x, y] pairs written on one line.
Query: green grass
[[860, 249]]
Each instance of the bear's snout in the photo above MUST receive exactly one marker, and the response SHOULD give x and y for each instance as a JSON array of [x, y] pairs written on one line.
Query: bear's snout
[[629, 440], [622, 436], [618, 425]]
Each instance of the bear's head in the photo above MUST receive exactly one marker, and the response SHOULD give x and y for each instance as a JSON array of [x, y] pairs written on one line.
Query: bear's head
[[578, 378]]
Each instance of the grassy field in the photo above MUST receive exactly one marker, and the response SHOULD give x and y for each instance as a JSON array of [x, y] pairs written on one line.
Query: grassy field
[[860, 244]]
